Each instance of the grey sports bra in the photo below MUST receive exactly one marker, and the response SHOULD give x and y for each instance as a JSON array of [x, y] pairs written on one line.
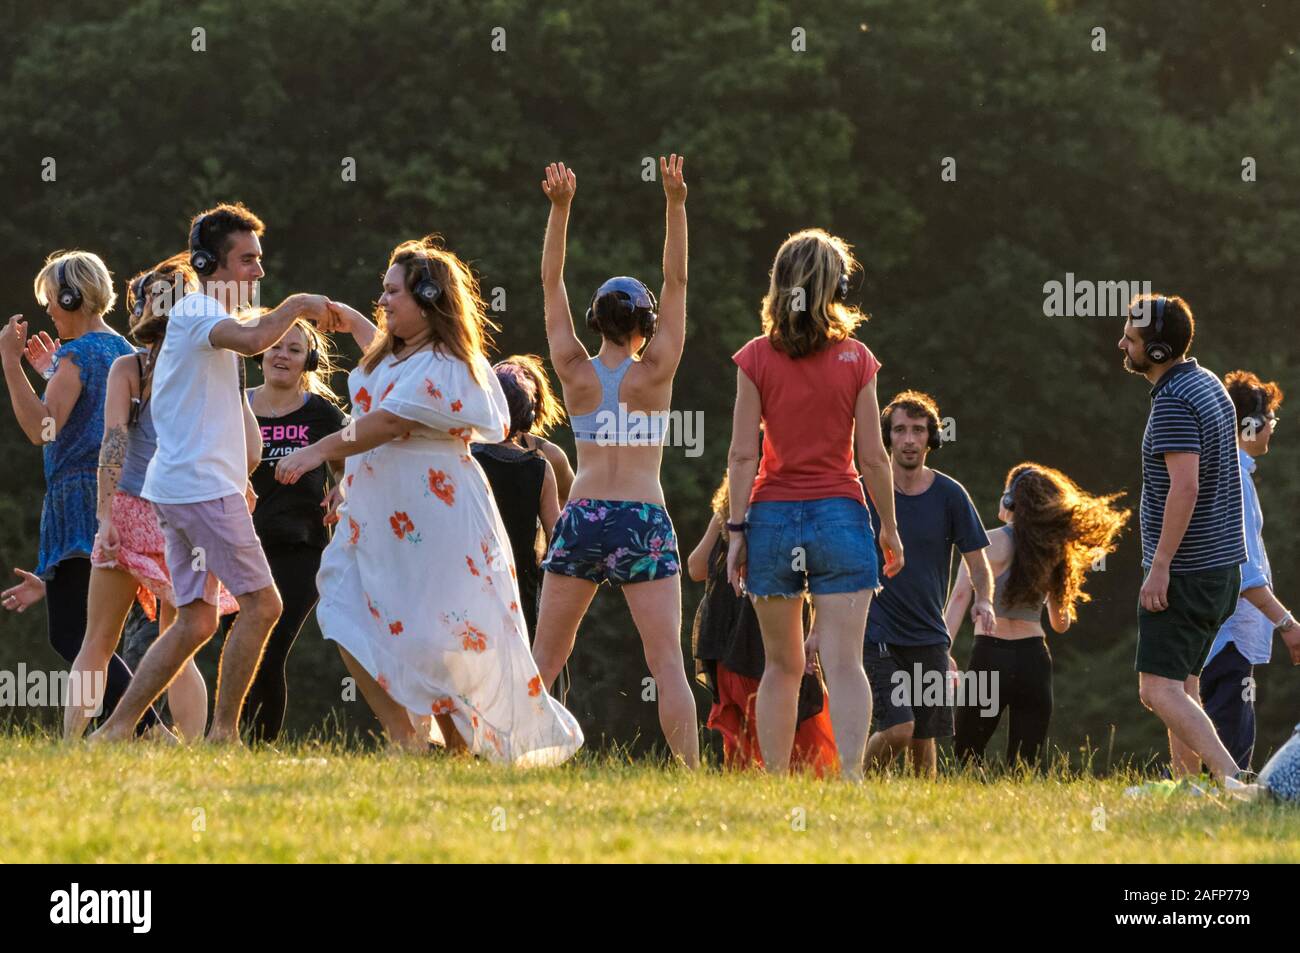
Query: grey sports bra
[[1000, 607], [611, 423]]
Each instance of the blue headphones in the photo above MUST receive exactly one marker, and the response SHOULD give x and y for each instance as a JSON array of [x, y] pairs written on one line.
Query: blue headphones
[[69, 297], [625, 295]]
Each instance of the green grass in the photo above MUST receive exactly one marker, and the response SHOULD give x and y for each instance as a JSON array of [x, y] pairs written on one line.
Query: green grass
[[319, 802]]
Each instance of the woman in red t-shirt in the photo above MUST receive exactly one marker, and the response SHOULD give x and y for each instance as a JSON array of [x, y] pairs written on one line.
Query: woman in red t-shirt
[[799, 520]]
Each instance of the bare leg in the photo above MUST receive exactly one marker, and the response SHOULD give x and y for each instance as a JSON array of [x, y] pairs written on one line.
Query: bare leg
[[564, 602], [1186, 721], [1183, 761], [925, 757], [841, 627], [657, 611], [195, 623], [258, 612], [883, 746], [395, 718], [111, 593], [776, 710]]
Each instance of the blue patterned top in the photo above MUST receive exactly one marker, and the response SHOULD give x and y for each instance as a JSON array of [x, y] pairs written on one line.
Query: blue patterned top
[[68, 521]]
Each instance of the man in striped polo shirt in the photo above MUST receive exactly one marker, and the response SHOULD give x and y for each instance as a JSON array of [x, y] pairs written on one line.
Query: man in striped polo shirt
[[1193, 531]]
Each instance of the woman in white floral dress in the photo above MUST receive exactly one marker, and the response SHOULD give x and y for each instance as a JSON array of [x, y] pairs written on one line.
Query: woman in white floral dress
[[418, 584]]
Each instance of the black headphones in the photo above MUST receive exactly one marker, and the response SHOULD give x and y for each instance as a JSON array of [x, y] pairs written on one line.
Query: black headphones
[[311, 364], [141, 284], [1009, 497], [1156, 349], [427, 291], [202, 260], [620, 291], [69, 297], [1256, 417], [934, 442]]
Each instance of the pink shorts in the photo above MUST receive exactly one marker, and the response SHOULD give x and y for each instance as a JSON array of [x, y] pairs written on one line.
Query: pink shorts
[[141, 552], [211, 543]]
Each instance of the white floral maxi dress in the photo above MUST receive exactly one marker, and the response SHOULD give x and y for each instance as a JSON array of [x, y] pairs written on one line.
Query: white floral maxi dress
[[418, 582]]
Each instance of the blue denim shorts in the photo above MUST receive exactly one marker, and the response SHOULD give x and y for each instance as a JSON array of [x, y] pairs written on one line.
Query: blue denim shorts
[[617, 540], [826, 545]]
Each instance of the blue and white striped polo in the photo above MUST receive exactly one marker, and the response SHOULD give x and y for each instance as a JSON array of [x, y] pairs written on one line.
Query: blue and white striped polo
[[1191, 412]]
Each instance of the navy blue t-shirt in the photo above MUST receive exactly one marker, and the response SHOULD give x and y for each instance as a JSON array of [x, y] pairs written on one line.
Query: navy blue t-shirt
[[909, 609], [1191, 412]]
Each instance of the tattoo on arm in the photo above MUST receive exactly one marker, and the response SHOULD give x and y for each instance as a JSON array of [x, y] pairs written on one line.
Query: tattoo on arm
[[113, 450]]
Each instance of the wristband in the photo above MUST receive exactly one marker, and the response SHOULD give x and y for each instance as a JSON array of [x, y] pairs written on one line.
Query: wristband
[[737, 527]]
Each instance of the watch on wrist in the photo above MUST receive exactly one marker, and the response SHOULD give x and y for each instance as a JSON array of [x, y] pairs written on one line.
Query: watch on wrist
[[1287, 624]]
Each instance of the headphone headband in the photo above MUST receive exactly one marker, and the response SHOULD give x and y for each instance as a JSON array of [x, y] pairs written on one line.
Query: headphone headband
[[1009, 497]]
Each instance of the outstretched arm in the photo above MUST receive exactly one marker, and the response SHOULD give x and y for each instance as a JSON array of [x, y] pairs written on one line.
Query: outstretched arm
[[664, 352], [34, 414], [566, 350], [257, 334], [373, 429]]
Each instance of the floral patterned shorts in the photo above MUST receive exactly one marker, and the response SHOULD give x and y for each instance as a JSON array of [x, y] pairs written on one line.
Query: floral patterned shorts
[[621, 541]]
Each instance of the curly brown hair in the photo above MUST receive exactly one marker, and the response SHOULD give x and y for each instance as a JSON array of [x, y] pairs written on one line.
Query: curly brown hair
[[1246, 390], [1060, 530]]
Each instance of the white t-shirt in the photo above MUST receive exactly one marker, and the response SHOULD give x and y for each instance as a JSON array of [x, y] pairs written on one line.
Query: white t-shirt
[[197, 411]]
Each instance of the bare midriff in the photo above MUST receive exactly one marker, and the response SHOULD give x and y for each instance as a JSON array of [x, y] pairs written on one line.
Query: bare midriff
[[607, 472]]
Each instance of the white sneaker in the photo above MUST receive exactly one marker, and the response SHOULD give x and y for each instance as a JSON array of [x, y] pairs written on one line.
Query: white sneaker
[[1242, 790]]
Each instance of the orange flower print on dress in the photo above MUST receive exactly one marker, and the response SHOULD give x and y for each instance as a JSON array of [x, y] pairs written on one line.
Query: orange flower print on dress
[[456, 406], [473, 638], [349, 479], [354, 531], [363, 400], [395, 627], [534, 686], [387, 390], [440, 485], [403, 528], [371, 606], [383, 682], [443, 706], [473, 570], [431, 390]]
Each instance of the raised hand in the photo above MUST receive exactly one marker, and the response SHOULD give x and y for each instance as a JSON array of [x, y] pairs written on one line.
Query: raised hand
[[670, 171], [40, 351], [343, 317], [560, 184], [13, 338]]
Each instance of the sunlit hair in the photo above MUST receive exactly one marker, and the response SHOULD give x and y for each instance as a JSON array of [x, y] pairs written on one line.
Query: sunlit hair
[[458, 319], [1060, 531], [547, 409], [802, 322], [1177, 320], [84, 271], [913, 403], [721, 502], [318, 381], [1245, 388], [172, 280]]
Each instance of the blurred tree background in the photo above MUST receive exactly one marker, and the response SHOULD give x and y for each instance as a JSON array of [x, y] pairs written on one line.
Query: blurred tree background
[[1115, 164]]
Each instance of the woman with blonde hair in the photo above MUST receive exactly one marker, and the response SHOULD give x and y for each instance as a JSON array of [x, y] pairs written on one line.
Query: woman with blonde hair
[[799, 519], [615, 527], [295, 407], [1053, 533], [67, 421], [417, 586]]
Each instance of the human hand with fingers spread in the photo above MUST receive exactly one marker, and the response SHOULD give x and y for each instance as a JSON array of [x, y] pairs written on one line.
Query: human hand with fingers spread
[[27, 593], [670, 171], [560, 184], [40, 352]]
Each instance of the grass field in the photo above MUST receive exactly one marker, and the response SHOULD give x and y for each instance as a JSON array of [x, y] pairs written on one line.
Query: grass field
[[320, 803]]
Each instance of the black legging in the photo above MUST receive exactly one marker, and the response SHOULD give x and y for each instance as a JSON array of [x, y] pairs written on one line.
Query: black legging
[[1023, 672], [294, 570], [67, 592]]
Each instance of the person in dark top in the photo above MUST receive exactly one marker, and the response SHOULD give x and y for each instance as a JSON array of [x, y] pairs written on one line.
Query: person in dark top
[[295, 407], [522, 479], [1054, 532], [1193, 530], [906, 653], [728, 648], [548, 412]]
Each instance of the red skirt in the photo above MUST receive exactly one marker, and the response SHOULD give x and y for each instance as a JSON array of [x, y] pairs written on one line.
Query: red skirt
[[734, 716]]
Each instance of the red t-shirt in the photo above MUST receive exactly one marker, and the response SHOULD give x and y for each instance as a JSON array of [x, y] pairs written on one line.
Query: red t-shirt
[[808, 406]]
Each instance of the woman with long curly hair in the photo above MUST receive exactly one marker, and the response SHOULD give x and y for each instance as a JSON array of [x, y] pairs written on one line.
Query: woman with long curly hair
[[1054, 533]]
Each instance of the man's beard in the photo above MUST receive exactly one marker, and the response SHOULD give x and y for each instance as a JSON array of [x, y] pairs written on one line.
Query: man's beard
[[916, 463], [1135, 368]]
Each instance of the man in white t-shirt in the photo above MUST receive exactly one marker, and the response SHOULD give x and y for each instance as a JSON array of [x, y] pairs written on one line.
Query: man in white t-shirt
[[198, 475]]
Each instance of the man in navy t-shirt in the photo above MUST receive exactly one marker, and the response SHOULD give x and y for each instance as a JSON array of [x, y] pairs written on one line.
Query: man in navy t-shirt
[[907, 649], [1193, 529]]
